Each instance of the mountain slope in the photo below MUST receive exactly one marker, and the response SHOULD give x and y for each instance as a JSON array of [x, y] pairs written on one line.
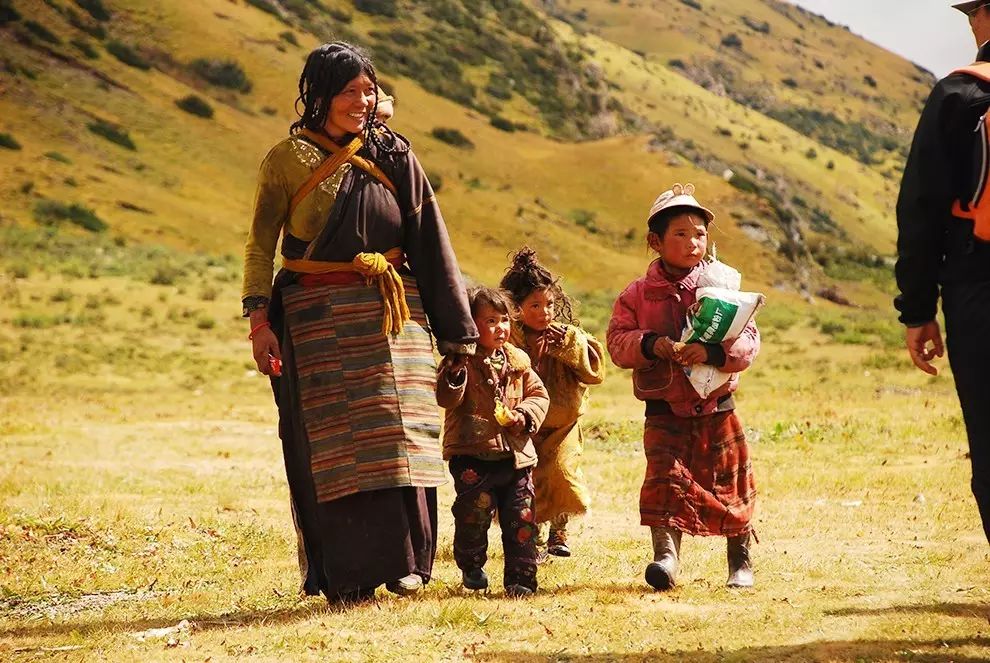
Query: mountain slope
[[793, 212]]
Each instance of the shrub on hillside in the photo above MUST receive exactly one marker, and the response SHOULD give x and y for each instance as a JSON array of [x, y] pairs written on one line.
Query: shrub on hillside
[[340, 15], [7, 12], [93, 29], [732, 40], [85, 48], [789, 82], [127, 55], [195, 106], [435, 180], [112, 132], [9, 142], [676, 63], [756, 26], [41, 32], [693, 4], [288, 37], [452, 137], [377, 7], [57, 156], [500, 122], [222, 73], [499, 86], [869, 80], [264, 5], [585, 219], [52, 212], [95, 9]]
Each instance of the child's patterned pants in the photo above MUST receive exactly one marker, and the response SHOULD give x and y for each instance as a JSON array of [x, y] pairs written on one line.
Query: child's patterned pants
[[483, 487]]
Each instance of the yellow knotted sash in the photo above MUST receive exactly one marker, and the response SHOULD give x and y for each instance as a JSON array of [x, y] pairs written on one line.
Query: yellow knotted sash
[[373, 267]]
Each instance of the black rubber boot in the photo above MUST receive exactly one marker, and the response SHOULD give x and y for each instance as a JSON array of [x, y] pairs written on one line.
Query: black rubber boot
[[740, 566], [661, 574]]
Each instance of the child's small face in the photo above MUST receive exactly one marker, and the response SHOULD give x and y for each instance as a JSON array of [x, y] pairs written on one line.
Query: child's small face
[[493, 328], [684, 243], [536, 311]]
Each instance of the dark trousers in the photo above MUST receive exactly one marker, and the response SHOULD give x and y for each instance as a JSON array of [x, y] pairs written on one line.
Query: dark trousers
[[967, 334], [484, 487]]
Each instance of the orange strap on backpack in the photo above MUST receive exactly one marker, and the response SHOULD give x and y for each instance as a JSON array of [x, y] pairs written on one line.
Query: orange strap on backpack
[[977, 209]]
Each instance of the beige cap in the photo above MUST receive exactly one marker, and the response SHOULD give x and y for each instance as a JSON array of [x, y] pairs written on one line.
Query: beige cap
[[679, 195]]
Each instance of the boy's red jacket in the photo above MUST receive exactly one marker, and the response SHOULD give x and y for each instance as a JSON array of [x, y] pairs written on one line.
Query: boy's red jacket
[[656, 304]]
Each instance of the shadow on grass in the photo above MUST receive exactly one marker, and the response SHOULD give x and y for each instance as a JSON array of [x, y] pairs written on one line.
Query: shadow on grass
[[843, 651], [980, 610], [298, 612]]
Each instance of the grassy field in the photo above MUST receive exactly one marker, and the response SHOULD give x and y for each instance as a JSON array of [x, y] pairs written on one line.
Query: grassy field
[[142, 488]]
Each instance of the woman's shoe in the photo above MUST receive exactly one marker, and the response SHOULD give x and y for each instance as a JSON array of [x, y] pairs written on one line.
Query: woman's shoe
[[352, 597], [557, 544], [475, 579], [406, 586]]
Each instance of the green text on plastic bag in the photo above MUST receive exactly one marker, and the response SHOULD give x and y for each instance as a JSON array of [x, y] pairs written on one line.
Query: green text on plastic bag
[[711, 322]]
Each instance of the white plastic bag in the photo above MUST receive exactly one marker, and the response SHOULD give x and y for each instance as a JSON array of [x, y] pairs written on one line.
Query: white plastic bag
[[719, 314]]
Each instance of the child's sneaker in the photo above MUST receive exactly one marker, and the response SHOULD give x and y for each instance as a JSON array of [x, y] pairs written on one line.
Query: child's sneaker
[[518, 591], [475, 579], [557, 544]]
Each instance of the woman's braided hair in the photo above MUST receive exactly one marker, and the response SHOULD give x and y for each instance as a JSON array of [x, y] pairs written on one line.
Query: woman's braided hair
[[328, 69], [526, 275]]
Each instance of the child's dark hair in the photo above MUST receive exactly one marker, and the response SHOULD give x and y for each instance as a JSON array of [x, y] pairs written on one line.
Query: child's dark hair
[[526, 275], [658, 222], [479, 296]]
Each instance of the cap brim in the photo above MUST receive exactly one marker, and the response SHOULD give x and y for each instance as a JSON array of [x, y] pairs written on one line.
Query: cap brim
[[967, 7]]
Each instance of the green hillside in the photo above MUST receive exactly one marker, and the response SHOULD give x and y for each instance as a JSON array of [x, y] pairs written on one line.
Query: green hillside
[[154, 116]]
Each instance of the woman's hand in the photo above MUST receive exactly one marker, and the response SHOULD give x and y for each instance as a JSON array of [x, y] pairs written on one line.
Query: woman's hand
[[264, 346], [455, 366], [264, 343], [691, 354]]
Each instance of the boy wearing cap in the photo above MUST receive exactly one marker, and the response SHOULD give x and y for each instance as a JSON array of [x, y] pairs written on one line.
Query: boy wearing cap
[[943, 189], [699, 479]]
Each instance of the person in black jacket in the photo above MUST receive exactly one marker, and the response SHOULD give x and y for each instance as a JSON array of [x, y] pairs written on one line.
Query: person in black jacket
[[936, 248]]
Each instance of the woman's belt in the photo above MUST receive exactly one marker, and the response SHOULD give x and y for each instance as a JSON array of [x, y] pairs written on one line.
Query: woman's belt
[[377, 267]]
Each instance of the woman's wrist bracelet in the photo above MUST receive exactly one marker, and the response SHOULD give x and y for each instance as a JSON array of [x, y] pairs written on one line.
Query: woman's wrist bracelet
[[257, 328]]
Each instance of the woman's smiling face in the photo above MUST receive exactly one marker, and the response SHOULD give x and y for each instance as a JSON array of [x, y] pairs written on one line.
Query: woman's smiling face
[[350, 109]]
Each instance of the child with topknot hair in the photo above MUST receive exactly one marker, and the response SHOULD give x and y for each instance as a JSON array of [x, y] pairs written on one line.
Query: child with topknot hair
[[568, 360]]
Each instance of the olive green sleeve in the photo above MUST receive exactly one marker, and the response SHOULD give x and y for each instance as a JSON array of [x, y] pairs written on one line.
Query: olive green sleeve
[[271, 212]]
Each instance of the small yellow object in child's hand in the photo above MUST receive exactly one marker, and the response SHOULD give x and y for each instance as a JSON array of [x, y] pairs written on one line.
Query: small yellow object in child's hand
[[503, 415]]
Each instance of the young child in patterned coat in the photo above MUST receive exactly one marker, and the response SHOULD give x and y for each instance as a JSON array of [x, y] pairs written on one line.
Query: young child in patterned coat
[[568, 360], [494, 402], [698, 475]]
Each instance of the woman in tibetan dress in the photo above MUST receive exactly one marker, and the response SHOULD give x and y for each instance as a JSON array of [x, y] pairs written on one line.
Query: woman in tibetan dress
[[369, 280]]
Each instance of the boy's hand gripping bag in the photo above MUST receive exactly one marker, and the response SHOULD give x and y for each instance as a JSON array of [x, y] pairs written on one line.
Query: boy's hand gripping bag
[[719, 314]]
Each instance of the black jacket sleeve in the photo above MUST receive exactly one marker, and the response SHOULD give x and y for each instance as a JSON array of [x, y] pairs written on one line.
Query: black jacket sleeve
[[925, 200]]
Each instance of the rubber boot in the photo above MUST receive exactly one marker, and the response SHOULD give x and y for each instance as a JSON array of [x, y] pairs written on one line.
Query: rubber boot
[[740, 566], [661, 574]]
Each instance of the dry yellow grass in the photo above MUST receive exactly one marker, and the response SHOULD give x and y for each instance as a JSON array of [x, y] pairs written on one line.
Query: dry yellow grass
[[144, 487]]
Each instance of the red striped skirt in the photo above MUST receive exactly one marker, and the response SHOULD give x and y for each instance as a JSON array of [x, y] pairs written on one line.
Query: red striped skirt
[[699, 478]]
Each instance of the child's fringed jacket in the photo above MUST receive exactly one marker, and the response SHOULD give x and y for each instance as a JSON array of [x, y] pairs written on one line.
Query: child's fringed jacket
[[567, 370]]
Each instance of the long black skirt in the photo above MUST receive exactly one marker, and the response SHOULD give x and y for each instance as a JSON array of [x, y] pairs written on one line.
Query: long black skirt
[[358, 542]]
